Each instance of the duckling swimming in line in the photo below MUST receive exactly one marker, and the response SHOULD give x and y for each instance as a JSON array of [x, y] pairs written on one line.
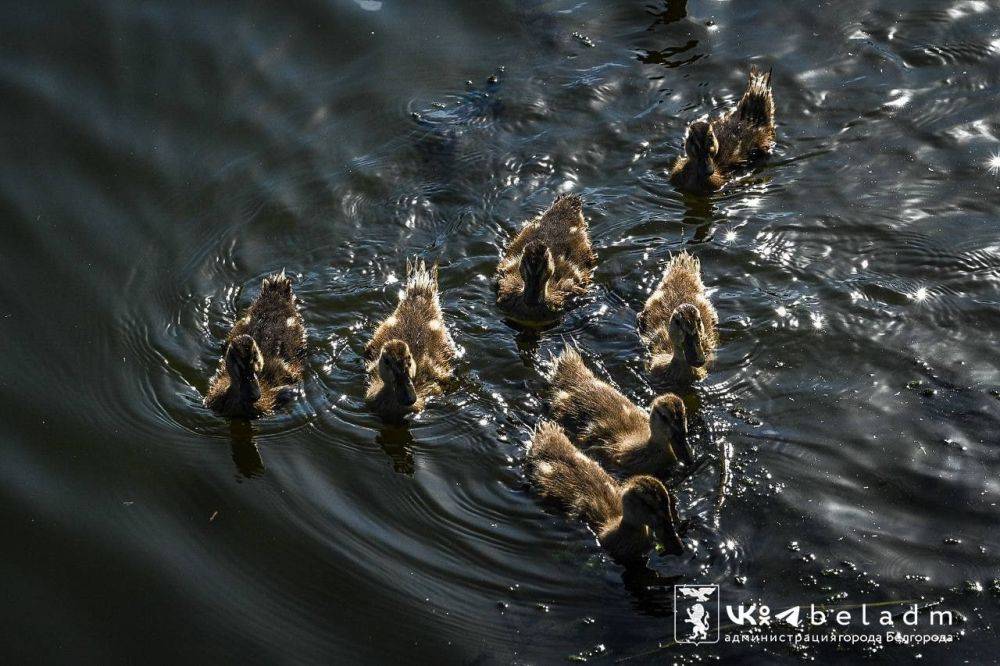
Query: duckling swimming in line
[[678, 324], [264, 357], [409, 357], [714, 149], [614, 430], [629, 519], [546, 264]]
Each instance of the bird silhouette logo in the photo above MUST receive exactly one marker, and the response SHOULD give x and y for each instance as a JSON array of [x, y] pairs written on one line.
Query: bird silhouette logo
[[698, 593]]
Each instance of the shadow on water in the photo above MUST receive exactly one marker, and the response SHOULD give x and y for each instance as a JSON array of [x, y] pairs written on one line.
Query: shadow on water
[[246, 455], [528, 339], [671, 12], [698, 212], [651, 591], [397, 442]]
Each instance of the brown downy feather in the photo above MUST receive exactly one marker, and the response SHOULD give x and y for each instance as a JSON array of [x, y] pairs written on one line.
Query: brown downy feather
[[681, 284], [606, 424], [628, 520], [418, 322], [274, 324], [715, 149], [563, 230]]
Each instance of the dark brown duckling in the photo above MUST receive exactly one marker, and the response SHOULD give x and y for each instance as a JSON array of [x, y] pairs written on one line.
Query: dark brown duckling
[[546, 264], [629, 519], [265, 355], [611, 428], [409, 356], [678, 325], [715, 149]]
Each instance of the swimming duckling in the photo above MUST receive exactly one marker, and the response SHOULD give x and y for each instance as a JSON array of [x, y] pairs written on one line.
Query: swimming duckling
[[678, 324], [548, 262], [628, 518], [264, 357], [409, 357], [715, 149], [613, 429]]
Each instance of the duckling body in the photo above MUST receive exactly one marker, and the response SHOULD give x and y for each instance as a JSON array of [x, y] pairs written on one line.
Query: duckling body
[[678, 324], [715, 149], [611, 428], [409, 356], [264, 357], [628, 518], [546, 264]]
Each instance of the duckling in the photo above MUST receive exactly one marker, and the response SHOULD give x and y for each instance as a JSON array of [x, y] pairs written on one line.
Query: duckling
[[409, 357], [546, 264], [628, 518], [714, 149], [264, 357], [678, 324], [614, 430]]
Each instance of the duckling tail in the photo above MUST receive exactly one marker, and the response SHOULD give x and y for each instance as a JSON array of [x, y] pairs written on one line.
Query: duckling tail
[[568, 202], [757, 104], [421, 279], [549, 442], [569, 370], [278, 284], [683, 261]]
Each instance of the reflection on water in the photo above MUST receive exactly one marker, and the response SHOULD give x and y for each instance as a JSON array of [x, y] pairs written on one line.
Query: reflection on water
[[160, 158]]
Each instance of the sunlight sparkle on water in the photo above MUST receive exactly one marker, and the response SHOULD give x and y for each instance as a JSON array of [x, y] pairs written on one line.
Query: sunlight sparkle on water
[[993, 164], [920, 294], [730, 236]]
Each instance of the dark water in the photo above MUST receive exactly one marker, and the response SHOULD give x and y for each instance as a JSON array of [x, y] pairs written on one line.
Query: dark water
[[159, 158]]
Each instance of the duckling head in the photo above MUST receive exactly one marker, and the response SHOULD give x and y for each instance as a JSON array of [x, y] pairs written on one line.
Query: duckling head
[[701, 145], [686, 334], [243, 362], [537, 267], [668, 424], [396, 368], [646, 501]]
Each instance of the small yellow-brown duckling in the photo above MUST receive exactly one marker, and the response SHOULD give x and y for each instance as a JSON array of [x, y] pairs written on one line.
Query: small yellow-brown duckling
[[714, 149], [409, 356], [546, 264], [678, 324], [611, 428], [629, 519], [264, 357]]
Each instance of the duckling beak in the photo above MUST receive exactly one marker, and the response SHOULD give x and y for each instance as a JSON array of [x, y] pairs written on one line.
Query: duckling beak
[[693, 353], [681, 447], [255, 390], [407, 393], [249, 387], [534, 289], [669, 539]]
